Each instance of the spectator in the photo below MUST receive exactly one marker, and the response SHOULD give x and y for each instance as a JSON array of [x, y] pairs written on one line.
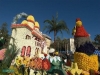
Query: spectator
[[68, 60]]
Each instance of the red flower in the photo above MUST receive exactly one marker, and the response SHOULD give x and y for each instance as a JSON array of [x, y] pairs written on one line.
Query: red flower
[[45, 55], [45, 64], [81, 32]]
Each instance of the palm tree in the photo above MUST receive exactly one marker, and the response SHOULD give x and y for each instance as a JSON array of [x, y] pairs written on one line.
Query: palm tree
[[55, 26], [58, 43]]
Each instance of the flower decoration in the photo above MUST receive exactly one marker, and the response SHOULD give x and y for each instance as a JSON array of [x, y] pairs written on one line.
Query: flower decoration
[[25, 61], [74, 69], [85, 73], [97, 52], [45, 64], [84, 53], [86, 62], [56, 53], [18, 60], [45, 55], [36, 63], [2, 52], [80, 30]]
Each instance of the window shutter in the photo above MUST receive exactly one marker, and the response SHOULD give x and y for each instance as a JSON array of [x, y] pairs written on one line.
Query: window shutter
[[23, 51], [28, 51]]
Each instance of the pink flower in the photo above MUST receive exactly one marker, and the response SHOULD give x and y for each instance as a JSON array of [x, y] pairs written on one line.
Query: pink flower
[[2, 52]]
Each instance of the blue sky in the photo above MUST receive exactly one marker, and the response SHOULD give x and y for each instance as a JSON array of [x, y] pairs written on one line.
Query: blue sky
[[68, 10]]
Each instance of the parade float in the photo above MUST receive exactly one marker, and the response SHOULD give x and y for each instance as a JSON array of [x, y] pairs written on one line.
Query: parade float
[[28, 52], [32, 45], [84, 55]]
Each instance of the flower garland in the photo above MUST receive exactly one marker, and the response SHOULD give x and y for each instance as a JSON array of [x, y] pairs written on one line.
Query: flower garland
[[18, 16]]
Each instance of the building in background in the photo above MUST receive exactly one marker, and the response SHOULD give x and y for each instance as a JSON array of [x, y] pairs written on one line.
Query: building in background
[[71, 46], [47, 39]]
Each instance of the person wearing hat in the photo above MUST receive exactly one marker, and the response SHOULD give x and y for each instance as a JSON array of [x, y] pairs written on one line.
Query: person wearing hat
[[56, 63]]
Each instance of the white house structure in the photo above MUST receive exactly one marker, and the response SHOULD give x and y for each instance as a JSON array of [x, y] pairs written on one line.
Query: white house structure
[[28, 38], [71, 45]]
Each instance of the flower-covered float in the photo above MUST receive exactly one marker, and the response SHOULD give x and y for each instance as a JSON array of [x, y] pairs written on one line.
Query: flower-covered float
[[32, 44], [84, 55], [32, 56], [30, 53]]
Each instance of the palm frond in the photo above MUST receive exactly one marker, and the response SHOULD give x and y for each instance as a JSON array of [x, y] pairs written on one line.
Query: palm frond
[[54, 21], [49, 22], [61, 32], [51, 30], [61, 25], [47, 27], [56, 26], [56, 16]]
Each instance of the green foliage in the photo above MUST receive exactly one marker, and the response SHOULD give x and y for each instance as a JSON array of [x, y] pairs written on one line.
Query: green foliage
[[97, 39], [55, 26], [61, 44], [10, 54], [18, 70], [3, 30], [4, 34], [2, 42]]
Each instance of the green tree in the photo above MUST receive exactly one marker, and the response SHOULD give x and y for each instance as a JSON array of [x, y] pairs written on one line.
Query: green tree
[[58, 43], [55, 26], [4, 34], [65, 44], [9, 55], [96, 41], [61, 44]]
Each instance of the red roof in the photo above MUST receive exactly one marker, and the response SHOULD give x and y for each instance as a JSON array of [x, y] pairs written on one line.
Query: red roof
[[34, 32]]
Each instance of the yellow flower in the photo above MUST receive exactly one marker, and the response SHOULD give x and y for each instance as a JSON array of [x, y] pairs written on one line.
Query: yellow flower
[[86, 62], [26, 61], [18, 60], [74, 69]]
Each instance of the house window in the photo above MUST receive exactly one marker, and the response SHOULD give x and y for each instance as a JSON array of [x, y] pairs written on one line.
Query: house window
[[23, 51], [37, 39], [28, 51], [28, 37], [36, 51]]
